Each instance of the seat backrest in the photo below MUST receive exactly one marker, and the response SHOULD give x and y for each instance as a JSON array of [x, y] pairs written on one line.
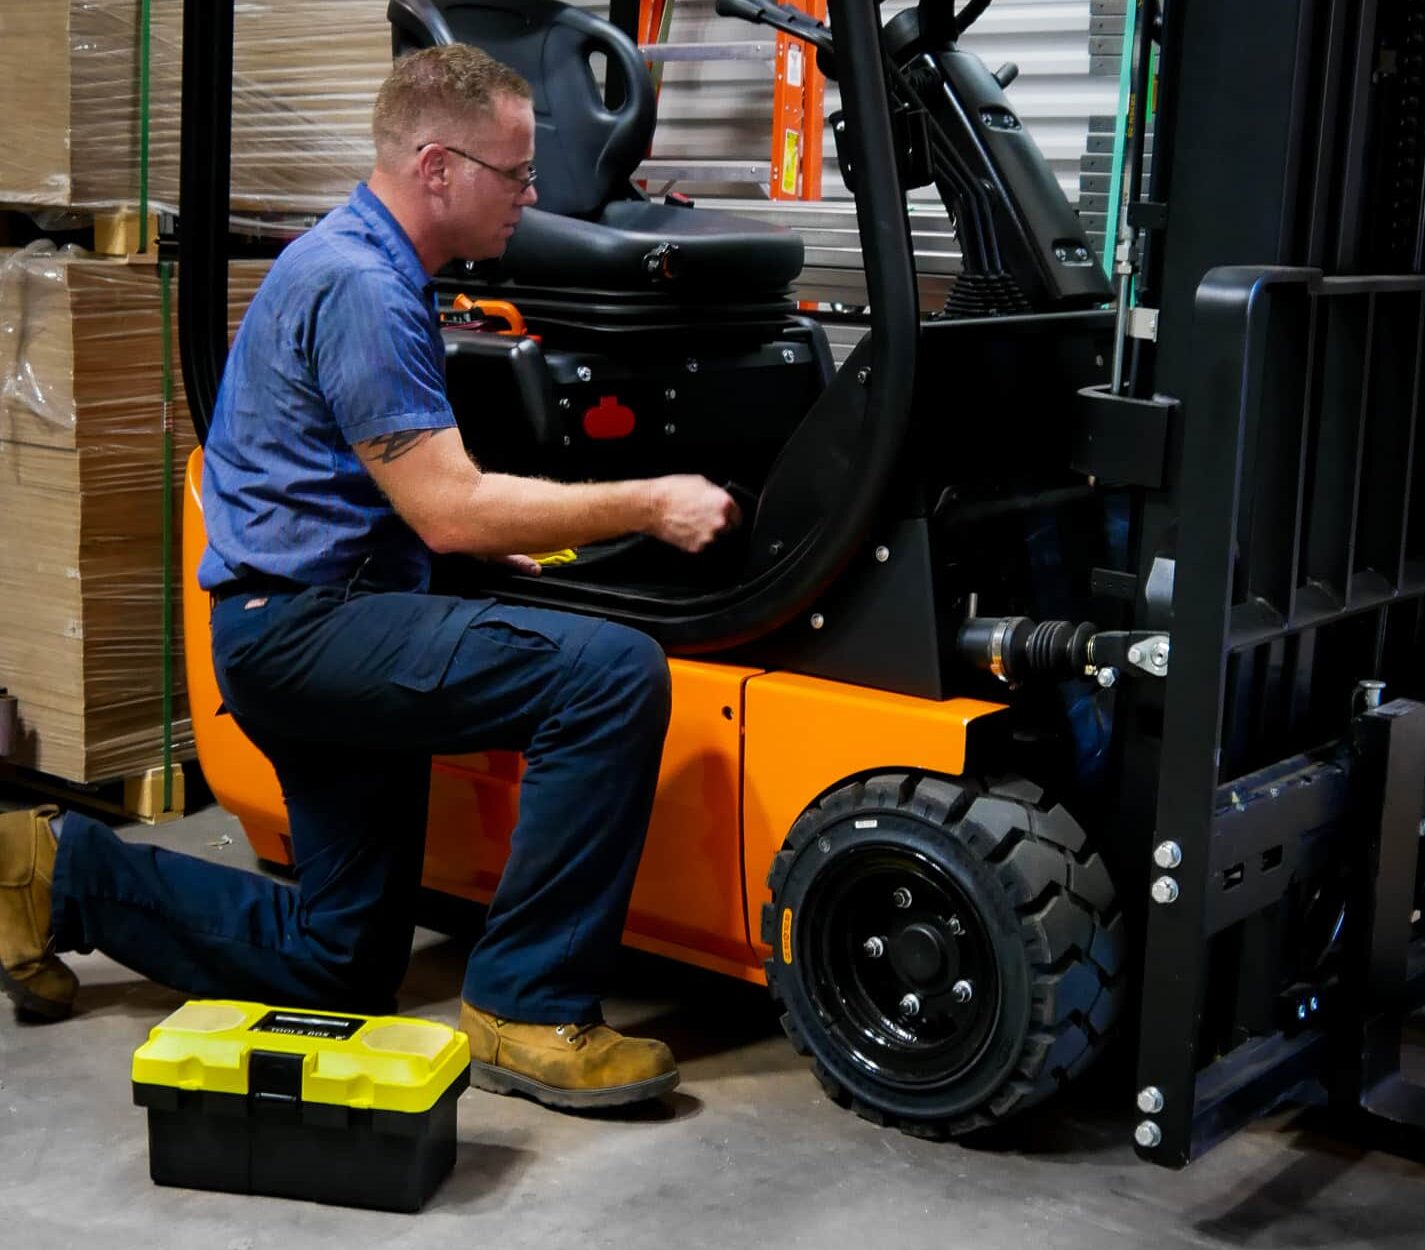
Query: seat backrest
[[585, 151]]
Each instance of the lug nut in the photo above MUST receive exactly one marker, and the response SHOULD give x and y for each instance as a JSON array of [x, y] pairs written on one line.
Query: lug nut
[[1148, 1135], [963, 991], [1167, 855], [910, 1005], [1150, 1100], [901, 897], [1165, 890], [874, 947]]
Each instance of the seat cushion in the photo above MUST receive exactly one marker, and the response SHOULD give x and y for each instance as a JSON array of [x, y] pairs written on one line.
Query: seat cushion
[[638, 246]]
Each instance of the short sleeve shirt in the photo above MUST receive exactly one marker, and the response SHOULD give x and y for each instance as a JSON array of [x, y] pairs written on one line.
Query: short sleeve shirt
[[341, 344]]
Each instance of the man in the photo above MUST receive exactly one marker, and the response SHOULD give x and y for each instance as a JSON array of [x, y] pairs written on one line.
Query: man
[[333, 469]]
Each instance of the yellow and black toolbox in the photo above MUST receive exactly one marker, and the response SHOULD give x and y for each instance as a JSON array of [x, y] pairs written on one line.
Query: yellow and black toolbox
[[356, 1110]]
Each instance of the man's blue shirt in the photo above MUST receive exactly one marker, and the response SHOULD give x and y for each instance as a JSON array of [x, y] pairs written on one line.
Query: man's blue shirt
[[341, 344]]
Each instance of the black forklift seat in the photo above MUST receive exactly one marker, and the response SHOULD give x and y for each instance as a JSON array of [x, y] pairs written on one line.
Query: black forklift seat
[[593, 228], [634, 245]]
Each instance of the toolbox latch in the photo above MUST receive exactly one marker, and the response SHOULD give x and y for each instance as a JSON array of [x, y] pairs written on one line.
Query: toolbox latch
[[274, 1077]]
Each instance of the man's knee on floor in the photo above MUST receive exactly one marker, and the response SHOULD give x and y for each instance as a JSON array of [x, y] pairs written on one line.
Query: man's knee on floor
[[632, 669]]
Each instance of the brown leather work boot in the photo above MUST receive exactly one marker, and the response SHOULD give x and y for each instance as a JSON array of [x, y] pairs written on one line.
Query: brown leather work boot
[[30, 973], [567, 1065]]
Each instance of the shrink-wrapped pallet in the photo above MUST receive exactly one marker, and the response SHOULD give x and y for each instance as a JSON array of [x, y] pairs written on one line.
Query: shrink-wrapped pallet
[[82, 514], [305, 76]]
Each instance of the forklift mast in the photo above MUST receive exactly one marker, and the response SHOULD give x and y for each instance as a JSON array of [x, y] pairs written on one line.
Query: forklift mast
[[1281, 547]]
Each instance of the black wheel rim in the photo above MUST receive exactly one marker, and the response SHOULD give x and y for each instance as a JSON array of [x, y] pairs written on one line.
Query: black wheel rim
[[920, 1010]]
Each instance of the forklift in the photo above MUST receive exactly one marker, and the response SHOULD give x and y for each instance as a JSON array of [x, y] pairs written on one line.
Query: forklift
[[1061, 682]]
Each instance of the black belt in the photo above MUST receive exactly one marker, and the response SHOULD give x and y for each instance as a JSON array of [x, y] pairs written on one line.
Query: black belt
[[256, 586]]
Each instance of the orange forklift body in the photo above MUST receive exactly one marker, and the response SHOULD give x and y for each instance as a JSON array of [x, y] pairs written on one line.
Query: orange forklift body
[[747, 751]]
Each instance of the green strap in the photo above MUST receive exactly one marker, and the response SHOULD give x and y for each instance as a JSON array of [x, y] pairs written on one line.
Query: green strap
[[164, 282], [145, 24], [166, 409], [1120, 137]]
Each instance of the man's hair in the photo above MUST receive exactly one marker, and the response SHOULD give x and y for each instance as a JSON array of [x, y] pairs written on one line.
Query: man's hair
[[429, 89]]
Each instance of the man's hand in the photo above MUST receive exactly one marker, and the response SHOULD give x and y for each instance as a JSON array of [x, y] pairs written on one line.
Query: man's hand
[[689, 511], [520, 564]]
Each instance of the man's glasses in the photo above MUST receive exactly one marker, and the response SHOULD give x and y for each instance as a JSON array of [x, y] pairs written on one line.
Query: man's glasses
[[522, 175]]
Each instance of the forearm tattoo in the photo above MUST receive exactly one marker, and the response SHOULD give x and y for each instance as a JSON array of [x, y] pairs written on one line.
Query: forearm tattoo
[[389, 447]]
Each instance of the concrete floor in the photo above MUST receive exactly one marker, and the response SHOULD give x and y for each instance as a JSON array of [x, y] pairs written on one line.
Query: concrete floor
[[747, 1152]]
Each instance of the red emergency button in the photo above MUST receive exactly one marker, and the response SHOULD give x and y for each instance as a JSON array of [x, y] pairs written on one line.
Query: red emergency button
[[608, 419]]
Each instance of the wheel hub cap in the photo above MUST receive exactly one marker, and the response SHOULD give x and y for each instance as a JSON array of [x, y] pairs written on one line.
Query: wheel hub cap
[[926, 956]]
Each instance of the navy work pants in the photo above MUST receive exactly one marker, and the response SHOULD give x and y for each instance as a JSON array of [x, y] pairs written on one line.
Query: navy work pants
[[349, 695]]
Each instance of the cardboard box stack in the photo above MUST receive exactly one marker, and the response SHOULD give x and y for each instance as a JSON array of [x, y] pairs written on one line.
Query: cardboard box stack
[[81, 336], [81, 510], [305, 75]]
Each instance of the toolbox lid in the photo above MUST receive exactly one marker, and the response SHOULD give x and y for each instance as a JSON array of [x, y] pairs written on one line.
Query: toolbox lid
[[386, 1063]]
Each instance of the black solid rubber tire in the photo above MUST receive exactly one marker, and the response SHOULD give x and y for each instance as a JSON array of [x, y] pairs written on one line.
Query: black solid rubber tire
[[1048, 906]]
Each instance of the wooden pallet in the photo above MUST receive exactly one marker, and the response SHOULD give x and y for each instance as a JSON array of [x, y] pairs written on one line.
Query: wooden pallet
[[117, 234], [104, 233], [136, 798]]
